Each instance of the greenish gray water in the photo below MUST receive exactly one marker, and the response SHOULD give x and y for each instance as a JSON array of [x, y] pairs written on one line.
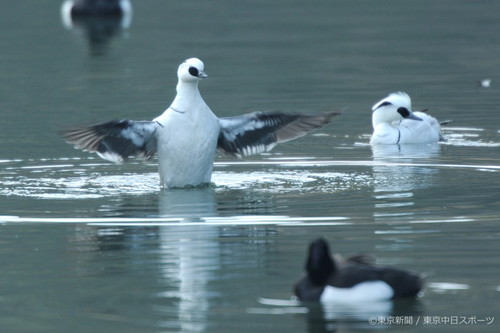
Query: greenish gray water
[[87, 246]]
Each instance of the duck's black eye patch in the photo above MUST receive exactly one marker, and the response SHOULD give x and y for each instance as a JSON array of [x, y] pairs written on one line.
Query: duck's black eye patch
[[383, 104], [193, 71], [403, 112]]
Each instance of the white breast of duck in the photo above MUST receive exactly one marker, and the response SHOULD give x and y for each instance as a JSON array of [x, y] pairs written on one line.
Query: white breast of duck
[[188, 132]]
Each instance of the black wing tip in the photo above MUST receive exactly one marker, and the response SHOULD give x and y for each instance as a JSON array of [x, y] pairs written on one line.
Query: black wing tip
[[79, 135], [323, 117], [70, 130], [317, 120], [105, 140], [329, 115], [333, 113]]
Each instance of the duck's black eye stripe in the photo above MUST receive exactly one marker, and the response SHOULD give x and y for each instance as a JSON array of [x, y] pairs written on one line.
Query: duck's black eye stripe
[[403, 112], [383, 104], [193, 71]]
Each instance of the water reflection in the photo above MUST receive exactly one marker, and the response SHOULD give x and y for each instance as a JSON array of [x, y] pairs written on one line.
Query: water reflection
[[406, 152], [367, 316], [189, 204], [396, 179], [129, 278], [190, 259], [97, 28]]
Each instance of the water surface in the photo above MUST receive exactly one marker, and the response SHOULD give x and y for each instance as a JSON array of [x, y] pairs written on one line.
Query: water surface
[[88, 246]]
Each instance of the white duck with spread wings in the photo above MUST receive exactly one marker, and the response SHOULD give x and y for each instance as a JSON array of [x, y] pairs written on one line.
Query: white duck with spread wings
[[187, 135]]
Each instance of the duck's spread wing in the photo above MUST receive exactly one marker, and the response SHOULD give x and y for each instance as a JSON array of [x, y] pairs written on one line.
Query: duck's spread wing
[[115, 140], [259, 132]]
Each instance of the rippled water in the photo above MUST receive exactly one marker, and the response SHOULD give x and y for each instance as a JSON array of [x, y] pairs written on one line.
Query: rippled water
[[88, 246]]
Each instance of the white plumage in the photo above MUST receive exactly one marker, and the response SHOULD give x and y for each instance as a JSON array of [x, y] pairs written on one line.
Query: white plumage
[[368, 291], [394, 122], [187, 135]]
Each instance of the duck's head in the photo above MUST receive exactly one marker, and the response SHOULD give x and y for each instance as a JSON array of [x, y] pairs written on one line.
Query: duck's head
[[319, 264], [191, 70], [395, 107]]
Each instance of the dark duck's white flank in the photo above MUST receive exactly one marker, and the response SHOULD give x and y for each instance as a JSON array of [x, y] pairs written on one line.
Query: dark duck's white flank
[[352, 280], [187, 135], [394, 122]]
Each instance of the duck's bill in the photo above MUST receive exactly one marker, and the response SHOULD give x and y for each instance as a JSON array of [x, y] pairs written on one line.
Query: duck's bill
[[413, 117], [202, 75]]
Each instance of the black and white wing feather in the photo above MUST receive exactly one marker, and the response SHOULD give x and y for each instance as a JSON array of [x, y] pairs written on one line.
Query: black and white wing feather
[[115, 141], [259, 132]]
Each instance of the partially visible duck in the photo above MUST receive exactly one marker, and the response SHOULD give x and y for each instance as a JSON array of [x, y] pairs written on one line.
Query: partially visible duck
[[73, 9], [394, 122], [352, 280], [97, 7]]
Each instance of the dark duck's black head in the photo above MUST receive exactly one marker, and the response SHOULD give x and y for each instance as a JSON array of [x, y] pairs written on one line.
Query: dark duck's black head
[[319, 269], [319, 265]]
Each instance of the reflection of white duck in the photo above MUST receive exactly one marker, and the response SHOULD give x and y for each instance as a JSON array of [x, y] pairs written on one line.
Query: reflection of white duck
[[397, 169], [395, 123], [190, 260]]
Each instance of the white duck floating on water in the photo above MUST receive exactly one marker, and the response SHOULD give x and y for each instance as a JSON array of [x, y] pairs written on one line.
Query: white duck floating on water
[[187, 135], [394, 122]]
